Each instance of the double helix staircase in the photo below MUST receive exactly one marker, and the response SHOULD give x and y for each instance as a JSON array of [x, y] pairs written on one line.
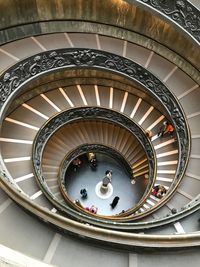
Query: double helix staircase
[[33, 110]]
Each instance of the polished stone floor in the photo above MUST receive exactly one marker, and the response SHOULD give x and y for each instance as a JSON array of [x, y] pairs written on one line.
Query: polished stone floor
[[84, 177]]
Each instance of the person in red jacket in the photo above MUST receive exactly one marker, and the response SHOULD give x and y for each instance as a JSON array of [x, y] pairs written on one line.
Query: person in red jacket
[[92, 209], [159, 191], [166, 128]]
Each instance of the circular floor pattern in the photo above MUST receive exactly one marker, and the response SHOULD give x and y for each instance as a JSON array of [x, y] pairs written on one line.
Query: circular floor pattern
[[103, 195], [85, 177]]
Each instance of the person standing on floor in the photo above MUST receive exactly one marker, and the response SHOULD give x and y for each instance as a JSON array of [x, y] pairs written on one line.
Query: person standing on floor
[[114, 202], [83, 193], [76, 164]]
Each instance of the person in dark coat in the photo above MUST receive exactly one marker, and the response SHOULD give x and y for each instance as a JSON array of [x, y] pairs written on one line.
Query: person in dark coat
[[114, 202], [83, 193]]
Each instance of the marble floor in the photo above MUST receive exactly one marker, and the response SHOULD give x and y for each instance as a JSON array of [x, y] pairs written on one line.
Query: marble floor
[[84, 177]]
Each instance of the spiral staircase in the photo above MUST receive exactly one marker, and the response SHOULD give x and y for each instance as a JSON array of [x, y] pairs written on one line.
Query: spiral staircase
[[78, 76]]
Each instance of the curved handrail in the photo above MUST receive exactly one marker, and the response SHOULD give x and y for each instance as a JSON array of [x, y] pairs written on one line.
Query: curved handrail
[[85, 113], [28, 69], [122, 240], [179, 12], [23, 72], [194, 239]]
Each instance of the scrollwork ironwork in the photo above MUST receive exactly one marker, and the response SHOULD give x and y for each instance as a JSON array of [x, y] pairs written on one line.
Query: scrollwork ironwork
[[90, 113], [181, 12], [23, 72]]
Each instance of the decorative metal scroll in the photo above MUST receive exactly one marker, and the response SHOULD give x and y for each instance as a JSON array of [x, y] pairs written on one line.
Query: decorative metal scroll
[[181, 12], [23, 72], [28, 69]]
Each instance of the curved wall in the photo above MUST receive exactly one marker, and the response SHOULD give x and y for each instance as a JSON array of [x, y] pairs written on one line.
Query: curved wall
[[43, 16]]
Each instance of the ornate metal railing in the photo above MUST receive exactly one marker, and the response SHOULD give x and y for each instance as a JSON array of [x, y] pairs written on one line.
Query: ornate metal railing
[[180, 12], [122, 240], [163, 241], [26, 70], [88, 113], [23, 72]]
